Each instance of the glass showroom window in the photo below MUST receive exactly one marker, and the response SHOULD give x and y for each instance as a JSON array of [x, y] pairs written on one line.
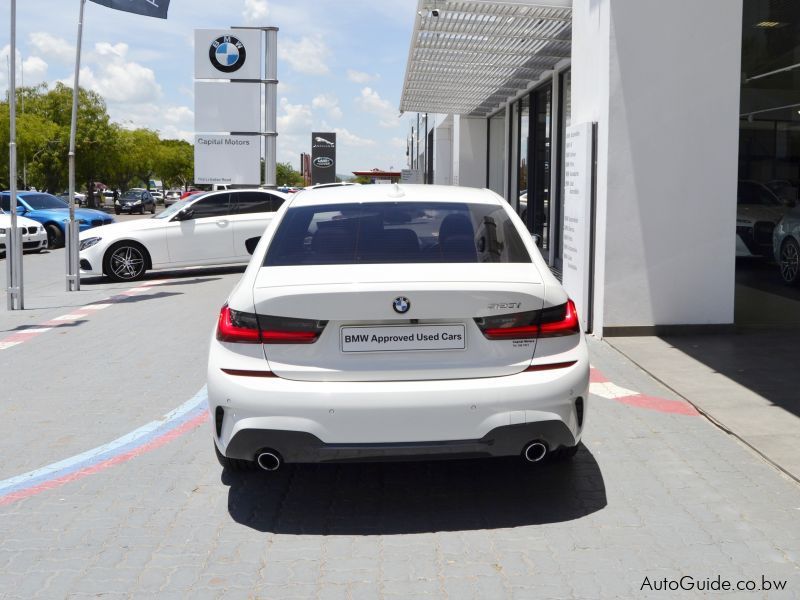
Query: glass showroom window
[[565, 120], [538, 204]]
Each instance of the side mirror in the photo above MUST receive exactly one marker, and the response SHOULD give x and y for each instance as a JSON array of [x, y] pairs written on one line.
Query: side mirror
[[537, 239], [251, 244], [184, 215]]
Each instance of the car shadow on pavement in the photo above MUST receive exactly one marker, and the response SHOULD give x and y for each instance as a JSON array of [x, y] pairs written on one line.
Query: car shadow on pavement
[[415, 497]]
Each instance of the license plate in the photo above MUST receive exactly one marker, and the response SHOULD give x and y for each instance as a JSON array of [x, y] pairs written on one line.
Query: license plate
[[403, 338]]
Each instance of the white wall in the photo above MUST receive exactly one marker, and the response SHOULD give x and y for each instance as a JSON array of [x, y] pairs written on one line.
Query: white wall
[[469, 161], [662, 81], [443, 153]]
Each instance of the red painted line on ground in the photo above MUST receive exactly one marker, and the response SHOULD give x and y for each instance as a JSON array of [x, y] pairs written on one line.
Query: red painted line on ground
[[596, 376], [94, 469], [675, 407]]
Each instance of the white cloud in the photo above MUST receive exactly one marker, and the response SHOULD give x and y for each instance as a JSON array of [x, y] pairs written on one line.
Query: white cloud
[[294, 118], [255, 10], [346, 138], [329, 103], [30, 72], [118, 80], [34, 69], [306, 55], [371, 102], [53, 47], [171, 122], [360, 76]]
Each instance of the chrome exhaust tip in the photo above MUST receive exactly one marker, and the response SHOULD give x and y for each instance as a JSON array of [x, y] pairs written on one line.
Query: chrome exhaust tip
[[269, 461], [535, 451]]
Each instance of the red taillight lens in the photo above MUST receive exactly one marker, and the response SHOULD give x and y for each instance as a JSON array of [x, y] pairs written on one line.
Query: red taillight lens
[[549, 322], [236, 326], [248, 328]]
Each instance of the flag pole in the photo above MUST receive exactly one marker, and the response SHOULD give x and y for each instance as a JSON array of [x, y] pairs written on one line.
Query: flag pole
[[13, 239], [73, 273]]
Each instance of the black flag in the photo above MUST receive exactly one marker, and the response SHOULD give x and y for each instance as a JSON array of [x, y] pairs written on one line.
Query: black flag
[[148, 8]]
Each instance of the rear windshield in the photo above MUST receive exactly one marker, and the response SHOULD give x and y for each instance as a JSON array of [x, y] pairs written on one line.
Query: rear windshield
[[395, 232]]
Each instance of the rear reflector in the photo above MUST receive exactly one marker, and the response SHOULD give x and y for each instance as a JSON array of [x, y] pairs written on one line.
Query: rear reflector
[[551, 366], [555, 321], [244, 373], [248, 328]]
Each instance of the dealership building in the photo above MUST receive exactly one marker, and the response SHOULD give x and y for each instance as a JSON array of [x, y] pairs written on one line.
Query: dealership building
[[621, 131]]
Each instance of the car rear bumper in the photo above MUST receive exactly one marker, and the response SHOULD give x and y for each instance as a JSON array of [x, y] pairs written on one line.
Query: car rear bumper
[[302, 447], [351, 421]]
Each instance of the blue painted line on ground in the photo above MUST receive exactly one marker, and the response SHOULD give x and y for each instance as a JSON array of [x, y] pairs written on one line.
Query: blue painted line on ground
[[135, 439]]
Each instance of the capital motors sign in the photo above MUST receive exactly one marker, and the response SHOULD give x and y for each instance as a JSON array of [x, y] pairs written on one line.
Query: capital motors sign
[[323, 157]]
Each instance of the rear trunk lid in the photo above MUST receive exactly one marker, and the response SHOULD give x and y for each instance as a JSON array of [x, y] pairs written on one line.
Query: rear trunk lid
[[367, 339]]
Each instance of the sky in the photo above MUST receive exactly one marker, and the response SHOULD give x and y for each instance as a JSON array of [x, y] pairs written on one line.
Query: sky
[[340, 65]]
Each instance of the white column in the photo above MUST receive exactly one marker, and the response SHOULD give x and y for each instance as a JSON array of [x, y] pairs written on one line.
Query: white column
[[661, 79]]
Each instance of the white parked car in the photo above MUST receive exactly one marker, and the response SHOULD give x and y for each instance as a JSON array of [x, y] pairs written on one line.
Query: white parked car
[[204, 230], [396, 322], [34, 235]]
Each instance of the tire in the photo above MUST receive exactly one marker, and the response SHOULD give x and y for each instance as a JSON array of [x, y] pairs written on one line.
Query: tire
[[55, 237], [234, 464], [790, 262], [125, 261], [117, 211], [153, 210]]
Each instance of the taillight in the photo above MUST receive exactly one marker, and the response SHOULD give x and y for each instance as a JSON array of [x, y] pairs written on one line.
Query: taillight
[[237, 326], [286, 330], [248, 328], [555, 321]]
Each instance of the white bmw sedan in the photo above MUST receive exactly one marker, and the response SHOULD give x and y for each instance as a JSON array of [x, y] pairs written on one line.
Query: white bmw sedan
[[396, 323], [34, 235], [204, 230]]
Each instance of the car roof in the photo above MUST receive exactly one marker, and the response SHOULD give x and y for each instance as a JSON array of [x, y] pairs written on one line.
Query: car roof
[[394, 193]]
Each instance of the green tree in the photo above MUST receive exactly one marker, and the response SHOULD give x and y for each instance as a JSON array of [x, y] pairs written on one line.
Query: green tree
[[286, 175], [176, 163]]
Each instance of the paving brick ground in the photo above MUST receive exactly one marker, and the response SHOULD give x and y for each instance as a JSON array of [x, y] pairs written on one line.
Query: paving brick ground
[[651, 494]]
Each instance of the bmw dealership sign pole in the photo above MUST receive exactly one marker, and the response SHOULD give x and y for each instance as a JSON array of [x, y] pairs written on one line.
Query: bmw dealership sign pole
[[228, 121]]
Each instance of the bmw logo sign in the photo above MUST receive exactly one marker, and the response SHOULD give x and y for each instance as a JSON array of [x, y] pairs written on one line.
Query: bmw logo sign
[[401, 305], [227, 54]]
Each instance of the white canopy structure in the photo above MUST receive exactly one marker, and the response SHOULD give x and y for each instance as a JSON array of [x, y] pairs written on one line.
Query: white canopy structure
[[469, 57]]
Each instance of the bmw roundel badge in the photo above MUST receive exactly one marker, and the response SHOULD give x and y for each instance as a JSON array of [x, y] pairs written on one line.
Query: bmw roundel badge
[[227, 54], [401, 305]]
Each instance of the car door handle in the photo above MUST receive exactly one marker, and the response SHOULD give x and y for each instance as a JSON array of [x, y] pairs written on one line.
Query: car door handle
[[222, 222]]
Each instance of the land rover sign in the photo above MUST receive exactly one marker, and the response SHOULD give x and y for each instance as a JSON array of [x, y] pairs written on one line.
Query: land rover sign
[[323, 157]]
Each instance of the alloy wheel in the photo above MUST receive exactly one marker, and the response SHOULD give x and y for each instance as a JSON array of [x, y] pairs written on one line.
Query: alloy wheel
[[790, 261], [127, 262]]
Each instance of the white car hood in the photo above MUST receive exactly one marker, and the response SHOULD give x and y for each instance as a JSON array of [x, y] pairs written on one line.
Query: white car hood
[[5, 222], [124, 228]]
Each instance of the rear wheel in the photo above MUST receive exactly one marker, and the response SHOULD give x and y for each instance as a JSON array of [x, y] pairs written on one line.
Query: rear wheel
[[234, 464], [126, 261], [117, 211], [55, 237], [790, 262], [153, 210]]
